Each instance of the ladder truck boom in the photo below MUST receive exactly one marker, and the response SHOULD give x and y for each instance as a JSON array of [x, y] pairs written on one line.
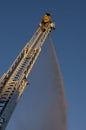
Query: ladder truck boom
[[14, 81]]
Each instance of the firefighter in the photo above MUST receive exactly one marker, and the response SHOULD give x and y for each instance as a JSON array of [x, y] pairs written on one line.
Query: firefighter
[[46, 18], [45, 21]]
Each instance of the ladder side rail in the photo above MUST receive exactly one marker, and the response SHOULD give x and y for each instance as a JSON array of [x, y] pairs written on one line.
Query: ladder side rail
[[44, 36], [36, 34], [12, 101], [37, 48], [6, 76], [13, 77], [21, 62], [19, 84], [21, 54], [32, 42], [30, 66], [16, 75]]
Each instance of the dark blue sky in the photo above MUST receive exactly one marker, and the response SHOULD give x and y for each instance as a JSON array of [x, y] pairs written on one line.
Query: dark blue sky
[[18, 22]]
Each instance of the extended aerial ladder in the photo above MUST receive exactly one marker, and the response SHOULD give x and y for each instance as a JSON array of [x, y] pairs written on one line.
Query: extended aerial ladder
[[14, 81]]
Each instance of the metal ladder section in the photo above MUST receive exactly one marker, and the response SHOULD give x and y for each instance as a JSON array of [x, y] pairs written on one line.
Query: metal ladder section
[[13, 83]]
